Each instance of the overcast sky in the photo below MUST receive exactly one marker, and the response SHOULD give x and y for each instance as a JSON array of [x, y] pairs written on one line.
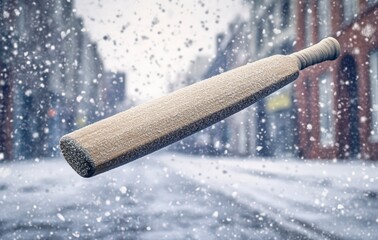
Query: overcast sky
[[154, 40]]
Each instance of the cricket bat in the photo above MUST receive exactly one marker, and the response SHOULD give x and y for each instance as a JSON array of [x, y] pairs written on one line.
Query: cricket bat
[[141, 130]]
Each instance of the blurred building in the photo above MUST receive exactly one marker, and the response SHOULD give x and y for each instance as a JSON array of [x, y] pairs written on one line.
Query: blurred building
[[230, 136], [50, 78], [235, 135], [331, 110], [198, 143], [273, 32], [268, 128], [338, 101], [112, 93]]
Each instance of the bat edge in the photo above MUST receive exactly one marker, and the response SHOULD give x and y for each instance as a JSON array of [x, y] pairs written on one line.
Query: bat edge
[[77, 157]]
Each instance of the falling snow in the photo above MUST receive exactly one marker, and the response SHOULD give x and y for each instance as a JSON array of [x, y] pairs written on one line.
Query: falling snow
[[298, 164]]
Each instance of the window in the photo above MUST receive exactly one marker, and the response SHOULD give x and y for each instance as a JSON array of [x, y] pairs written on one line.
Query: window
[[308, 24], [270, 23], [350, 10], [373, 60], [372, 2], [260, 33], [285, 10], [324, 19], [326, 102]]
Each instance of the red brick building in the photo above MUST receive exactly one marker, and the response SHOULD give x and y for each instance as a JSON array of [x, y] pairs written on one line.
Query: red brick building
[[338, 101]]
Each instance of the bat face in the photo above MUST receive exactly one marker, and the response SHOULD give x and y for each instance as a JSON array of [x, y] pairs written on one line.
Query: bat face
[[77, 157], [139, 131]]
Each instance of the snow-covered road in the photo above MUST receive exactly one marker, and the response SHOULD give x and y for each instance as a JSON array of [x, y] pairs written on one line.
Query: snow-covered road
[[181, 197]]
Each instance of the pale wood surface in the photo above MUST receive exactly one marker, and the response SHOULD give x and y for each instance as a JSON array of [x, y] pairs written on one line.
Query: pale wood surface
[[148, 127]]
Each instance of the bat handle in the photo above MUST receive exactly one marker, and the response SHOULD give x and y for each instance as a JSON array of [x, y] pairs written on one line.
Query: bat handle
[[326, 49]]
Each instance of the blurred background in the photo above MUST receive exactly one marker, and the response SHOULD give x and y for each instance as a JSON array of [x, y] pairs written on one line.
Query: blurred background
[[65, 65], [298, 164]]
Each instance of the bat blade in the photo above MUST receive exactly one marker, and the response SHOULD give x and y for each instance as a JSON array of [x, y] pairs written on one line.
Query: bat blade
[[146, 128]]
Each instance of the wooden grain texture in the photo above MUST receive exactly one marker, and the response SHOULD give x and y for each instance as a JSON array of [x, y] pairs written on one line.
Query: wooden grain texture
[[148, 127]]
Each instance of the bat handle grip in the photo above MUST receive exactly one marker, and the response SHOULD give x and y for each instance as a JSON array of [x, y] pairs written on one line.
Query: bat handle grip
[[326, 49]]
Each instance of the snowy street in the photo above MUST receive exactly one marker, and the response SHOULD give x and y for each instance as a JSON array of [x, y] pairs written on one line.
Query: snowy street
[[170, 196], [224, 96]]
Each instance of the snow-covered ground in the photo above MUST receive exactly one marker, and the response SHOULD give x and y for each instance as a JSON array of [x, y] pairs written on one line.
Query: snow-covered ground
[[169, 196]]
